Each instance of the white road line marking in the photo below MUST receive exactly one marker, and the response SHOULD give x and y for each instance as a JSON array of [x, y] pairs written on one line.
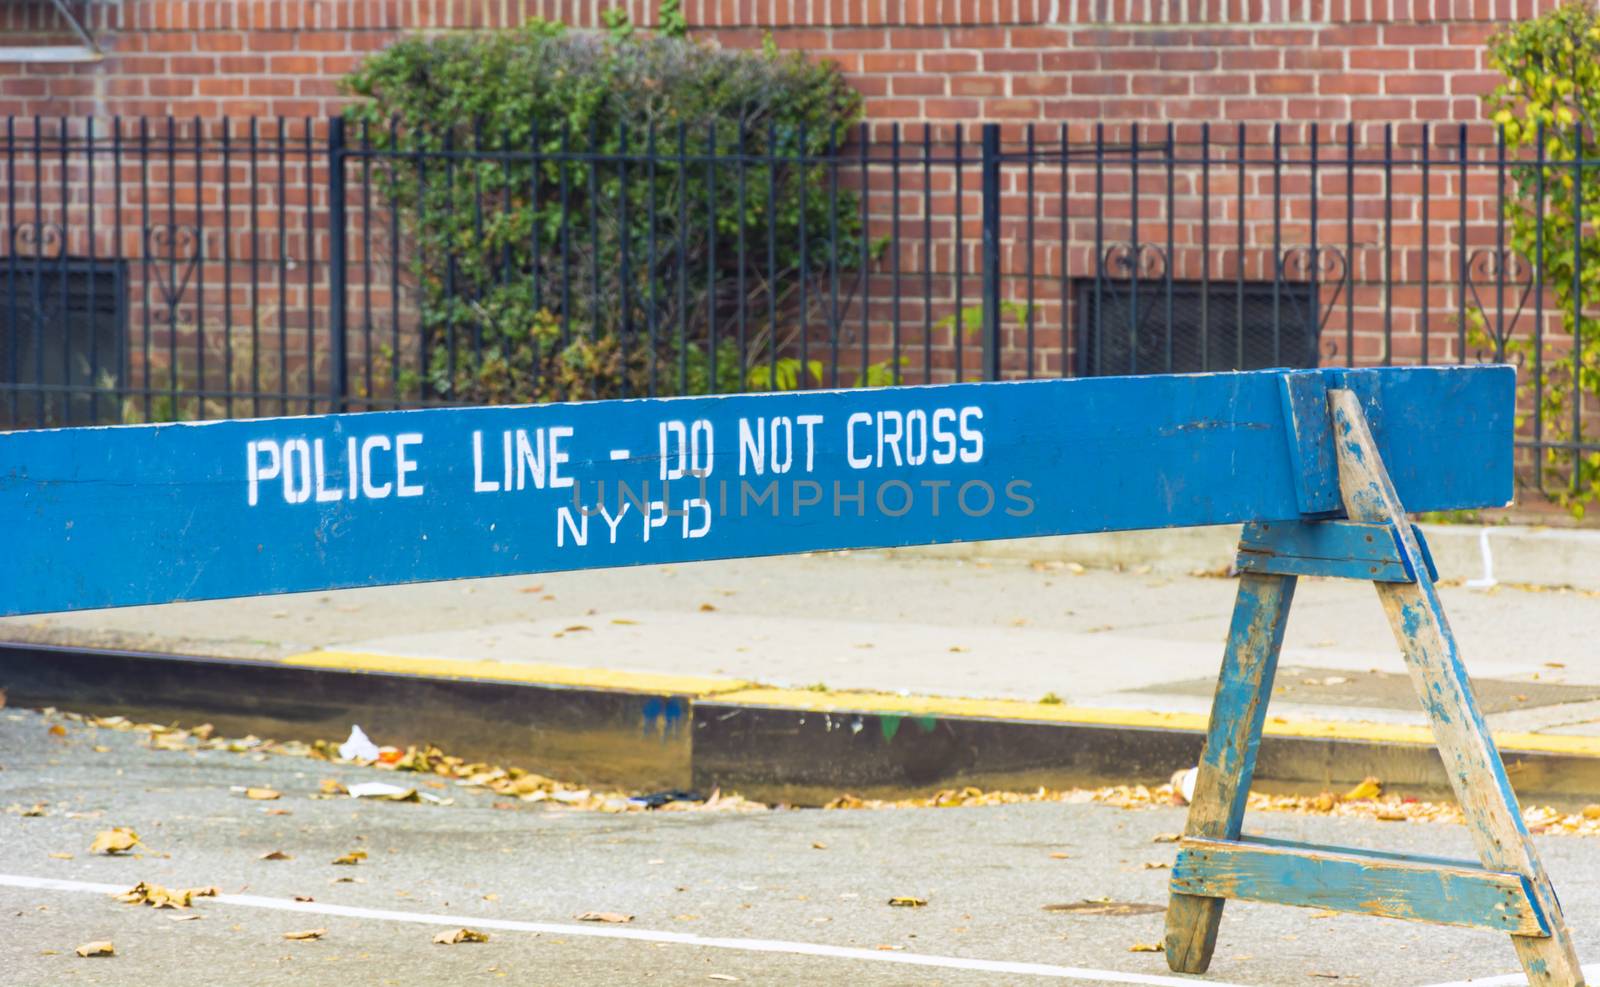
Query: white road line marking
[[645, 935], [617, 454]]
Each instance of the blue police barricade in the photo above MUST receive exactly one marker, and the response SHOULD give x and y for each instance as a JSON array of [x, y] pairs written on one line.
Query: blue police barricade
[[1317, 464]]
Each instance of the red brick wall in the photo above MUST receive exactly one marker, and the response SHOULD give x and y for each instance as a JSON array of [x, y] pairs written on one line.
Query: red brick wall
[[1042, 60], [939, 62]]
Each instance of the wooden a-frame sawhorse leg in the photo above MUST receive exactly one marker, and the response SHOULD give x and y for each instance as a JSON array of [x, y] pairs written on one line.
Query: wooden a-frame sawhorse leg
[[1509, 892]]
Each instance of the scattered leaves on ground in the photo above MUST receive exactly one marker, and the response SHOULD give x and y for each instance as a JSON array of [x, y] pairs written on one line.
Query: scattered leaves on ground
[[907, 902], [352, 858], [1147, 947], [616, 917], [145, 893], [452, 937], [262, 794], [514, 782], [275, 855], [305, 934], [99, 948], [119, 839]]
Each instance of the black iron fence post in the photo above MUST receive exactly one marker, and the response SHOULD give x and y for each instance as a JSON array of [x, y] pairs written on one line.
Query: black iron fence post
[[991, 251], [337, 284]]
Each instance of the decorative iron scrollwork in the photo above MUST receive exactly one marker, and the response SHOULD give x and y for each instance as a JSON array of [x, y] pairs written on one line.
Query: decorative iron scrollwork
[[37, 240], [171, 254], [1503, 270], [1322, 266]]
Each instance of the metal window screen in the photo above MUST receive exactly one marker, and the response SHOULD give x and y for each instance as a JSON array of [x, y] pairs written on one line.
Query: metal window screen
[[63, 323], [1219, 326]]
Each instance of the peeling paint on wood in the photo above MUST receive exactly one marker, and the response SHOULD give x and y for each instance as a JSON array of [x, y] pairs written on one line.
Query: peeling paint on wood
[[1346, 549], [1387, 885]]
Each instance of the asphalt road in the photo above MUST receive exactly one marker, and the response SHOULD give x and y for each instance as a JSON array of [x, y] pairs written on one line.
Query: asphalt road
[[766, 886]]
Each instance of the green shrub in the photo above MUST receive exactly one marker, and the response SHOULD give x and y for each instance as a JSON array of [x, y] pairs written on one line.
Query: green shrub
[[533, 262], [1550, 103]]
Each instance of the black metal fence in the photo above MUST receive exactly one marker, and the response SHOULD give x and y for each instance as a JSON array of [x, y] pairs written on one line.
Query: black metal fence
[[162, 269]]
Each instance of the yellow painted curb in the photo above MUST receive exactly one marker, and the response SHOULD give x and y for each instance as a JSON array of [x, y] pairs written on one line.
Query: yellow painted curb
[[741, 693], [563, 676], [1012, 709]]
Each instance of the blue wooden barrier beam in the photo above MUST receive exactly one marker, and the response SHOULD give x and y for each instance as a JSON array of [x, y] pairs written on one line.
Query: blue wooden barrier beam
[[102, 517]]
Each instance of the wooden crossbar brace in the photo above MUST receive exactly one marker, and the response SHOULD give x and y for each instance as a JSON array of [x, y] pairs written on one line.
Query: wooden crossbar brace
[[1421, 889], [1348, 549], [1509, 891]]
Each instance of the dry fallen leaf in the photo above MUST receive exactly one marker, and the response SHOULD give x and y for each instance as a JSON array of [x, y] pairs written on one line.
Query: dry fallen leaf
[[352, 858], [1147, 947], [275, 855], [112, 841], [706, 608], [1369, 788], [262, 794], [145, 893], [907, 902], [1167, 838], [819, 846], [101, 948], [1060, 856], [58, 731], [604, 917], [453, 936], [331, 786], [1156, 865], [306, 934], [34, 811]]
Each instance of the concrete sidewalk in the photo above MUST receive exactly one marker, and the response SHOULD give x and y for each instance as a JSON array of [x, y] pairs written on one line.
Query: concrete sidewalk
[[1133, 647]]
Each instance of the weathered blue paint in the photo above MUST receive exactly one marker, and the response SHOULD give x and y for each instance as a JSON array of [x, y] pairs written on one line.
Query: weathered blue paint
[[1346, 549], [99, 517], [1427, 553], [1249, 665], [664, 715], [1391, 885], [1305, 411]]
